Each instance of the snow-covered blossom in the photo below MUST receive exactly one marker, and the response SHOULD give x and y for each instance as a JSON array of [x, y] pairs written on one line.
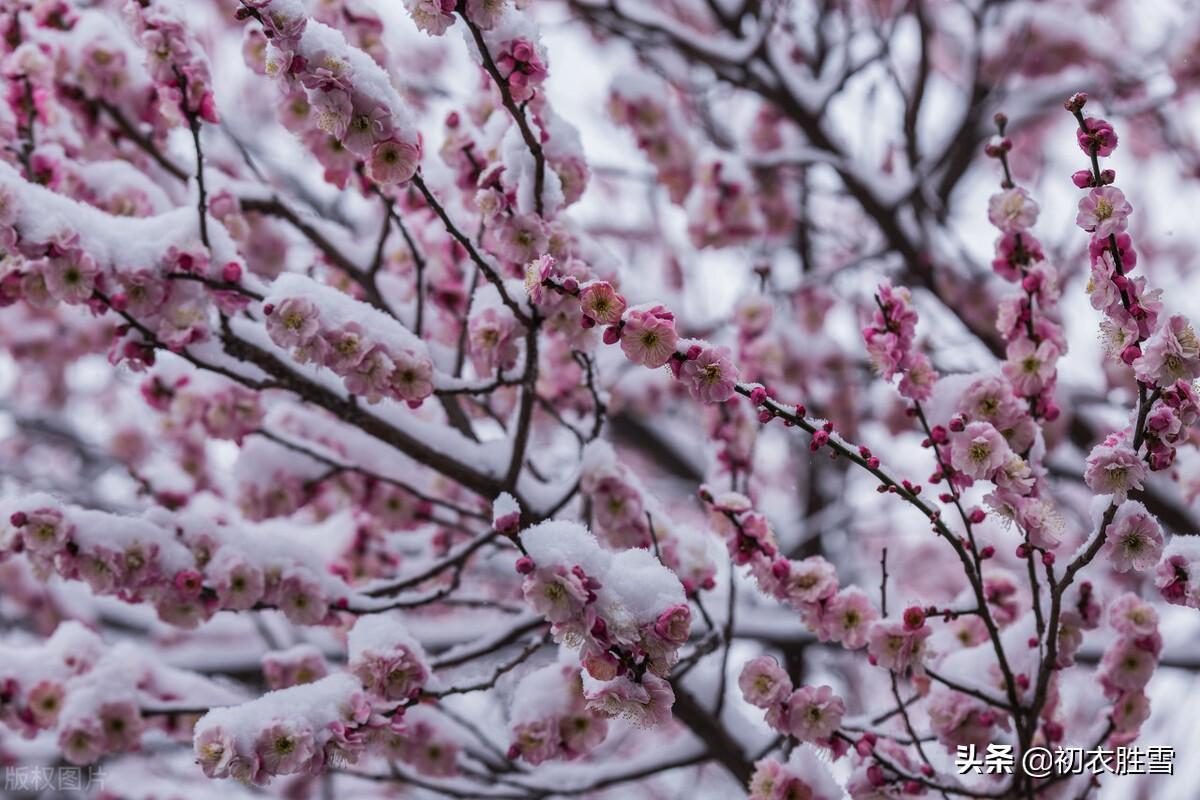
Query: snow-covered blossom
[[1115, 470]]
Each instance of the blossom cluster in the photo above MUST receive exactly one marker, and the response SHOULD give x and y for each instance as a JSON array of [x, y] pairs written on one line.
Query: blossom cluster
[[843, 615], [625, 611], [810, 714], [1129, 662], [186, 566], [646, 332], [177, 63], [71, 253], [336, 97], [640, 103], [303, 663], [301, 729], [374, 355], [804, 774], [891, 344], [550, 719], [1164, 354], [1034, 341], [627, 515], [91, 696], [389, 662]]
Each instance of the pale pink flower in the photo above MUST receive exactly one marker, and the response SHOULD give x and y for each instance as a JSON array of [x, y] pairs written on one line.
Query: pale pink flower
[[582, 732], [285, 747], [1104, 211], [121, 724], [215, 749], [894, 646], [959, 719], [768, 780], [1012, 210], [814, 713], [1134, 540], [1115, 470], [371, 379], [393, 161], [808, 581], [72, 277], [538, 740], [412, 379], [1128, 664], [431, 16], [44, 701], [1130, 710], [673, 625], [45, 531], [537, 272], [1030, 367], [558, 594], [485, 13], [301, 598], [293, 322], [347, 347], [764, 683], [848, 616], [366, 128], [648, 336], [81, 740], [299, 665], [1130, 615], [238, 583], [600, 302], [395, 675], [979, 450], [521, 238], [711, 376], [918, 378], [1171, 354], [645, 704], [1176, 576], [492, 333]]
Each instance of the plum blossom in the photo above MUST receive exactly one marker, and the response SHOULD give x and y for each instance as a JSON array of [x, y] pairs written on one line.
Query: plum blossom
[[764, 683], [1012, 210], [979, 450], [601, 303], [1172, 354], [1115, 470], [814, 713], [894, 645], [293, 323], [1134, 540], [711, 376], [1104, 212], [648, 335]]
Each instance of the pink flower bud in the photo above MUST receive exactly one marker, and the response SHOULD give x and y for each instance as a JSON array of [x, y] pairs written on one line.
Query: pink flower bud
[[1082, 178], [612, 334], [914, 618], [524, 565], [231, 272]]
